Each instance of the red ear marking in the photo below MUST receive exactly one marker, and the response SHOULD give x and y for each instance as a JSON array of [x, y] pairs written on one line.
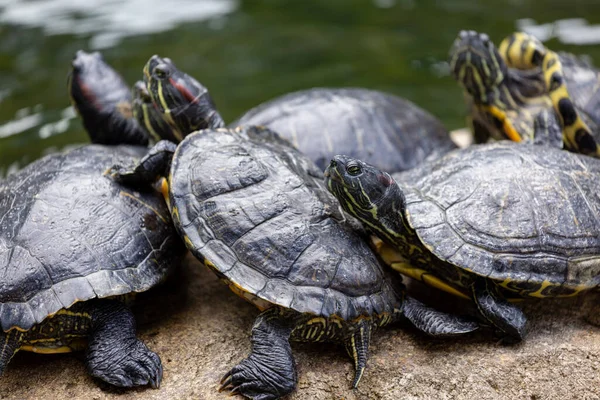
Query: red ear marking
[[385, 179]]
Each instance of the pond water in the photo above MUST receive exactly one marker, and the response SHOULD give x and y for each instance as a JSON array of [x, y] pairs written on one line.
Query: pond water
[[247, 52]]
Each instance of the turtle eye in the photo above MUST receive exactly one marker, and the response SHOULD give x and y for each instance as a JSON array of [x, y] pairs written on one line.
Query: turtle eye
[[353, 169], [161, 71]]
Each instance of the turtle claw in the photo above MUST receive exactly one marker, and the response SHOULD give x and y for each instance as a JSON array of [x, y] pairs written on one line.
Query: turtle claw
[[137, 368], [225, 381], [250, 380]]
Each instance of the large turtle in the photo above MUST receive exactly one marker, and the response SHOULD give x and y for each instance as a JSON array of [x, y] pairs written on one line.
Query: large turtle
[[72, 244], [495, 220], [255, 210], [511, 88], [380, 128]]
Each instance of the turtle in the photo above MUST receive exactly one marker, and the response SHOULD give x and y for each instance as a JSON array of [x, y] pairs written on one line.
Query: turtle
[[496, 221], [103, 101], [509, 88], [256, 212], [383, 129], [74, 247]]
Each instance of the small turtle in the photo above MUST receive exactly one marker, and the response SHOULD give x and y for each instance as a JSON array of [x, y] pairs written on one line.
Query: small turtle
[[103, 101], [255, 210], [495, 220], [380, 128], [72, 244], [509, 88]]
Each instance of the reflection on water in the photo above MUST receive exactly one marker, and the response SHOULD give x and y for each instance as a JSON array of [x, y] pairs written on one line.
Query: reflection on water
[[249, 51], [110, 20], [568, 31]]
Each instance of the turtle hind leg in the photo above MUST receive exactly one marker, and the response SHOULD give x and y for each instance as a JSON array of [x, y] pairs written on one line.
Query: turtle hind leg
[[434, 322], [269, 371], [150, 168], [114, 353], [506, 317], [9, 345]]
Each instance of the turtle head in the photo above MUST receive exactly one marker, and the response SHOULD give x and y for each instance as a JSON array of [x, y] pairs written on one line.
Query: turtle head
[[359, 187], [184, 102], [477, 65], [103, 101], [95, 87]]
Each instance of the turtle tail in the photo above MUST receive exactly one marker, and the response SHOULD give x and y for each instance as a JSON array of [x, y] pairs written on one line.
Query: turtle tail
[[357, 346], [9, 345]]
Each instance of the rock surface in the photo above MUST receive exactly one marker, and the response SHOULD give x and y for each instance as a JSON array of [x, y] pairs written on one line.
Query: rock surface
[[201, 329]]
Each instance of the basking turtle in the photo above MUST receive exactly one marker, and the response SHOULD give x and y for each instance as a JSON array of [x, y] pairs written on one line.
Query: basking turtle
[[72, 244], [255, 210], [495, 220], [103, 101], [508, 89], [380, 128]]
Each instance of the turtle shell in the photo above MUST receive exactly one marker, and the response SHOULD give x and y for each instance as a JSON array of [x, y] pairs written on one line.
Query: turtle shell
[[384, 130], [68, 233], [511, 212], [257, 212]]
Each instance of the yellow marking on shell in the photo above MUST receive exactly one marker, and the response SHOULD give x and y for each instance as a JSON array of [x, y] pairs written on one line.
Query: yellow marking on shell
[[428, 278], [188, 242], [175, 213], [46, 350], [146, 205], [261, 304], [64, 311]]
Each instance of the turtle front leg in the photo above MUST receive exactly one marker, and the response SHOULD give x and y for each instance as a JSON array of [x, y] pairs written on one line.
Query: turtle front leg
[[506, 317], [114, 353], [151, 167], [269, 371], [9, 345]]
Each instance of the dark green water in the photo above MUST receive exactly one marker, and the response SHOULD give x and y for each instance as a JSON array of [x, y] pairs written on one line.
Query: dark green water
[[262, 49]]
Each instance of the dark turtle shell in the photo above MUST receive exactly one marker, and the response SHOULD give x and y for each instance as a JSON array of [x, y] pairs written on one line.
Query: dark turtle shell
[[511, 212], [258, 213], [384, 130], [68, 233]]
